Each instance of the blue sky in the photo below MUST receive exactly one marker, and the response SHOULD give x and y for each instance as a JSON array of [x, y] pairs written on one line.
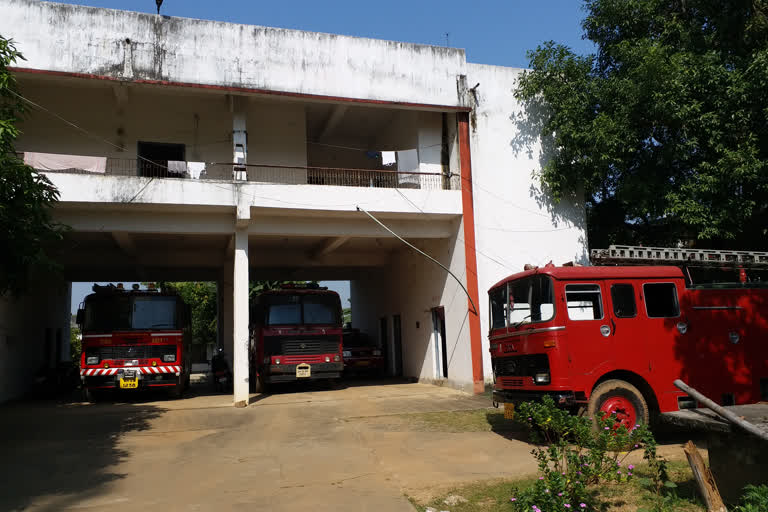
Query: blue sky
[[492, 32]]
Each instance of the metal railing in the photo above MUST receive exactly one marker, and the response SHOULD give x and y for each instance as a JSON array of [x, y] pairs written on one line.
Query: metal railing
[[271, 174]]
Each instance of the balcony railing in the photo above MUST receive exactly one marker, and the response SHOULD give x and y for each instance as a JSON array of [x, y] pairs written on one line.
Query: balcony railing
[[256, 173]]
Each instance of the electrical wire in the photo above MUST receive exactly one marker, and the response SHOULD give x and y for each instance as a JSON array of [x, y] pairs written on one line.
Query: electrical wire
[[406, 242]]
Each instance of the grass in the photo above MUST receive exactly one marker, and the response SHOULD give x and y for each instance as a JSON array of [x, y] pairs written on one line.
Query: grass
[[479, 420], [493, 496]]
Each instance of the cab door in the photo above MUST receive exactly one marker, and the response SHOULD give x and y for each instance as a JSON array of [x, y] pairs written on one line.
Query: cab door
[[627, 334], [588, 331]]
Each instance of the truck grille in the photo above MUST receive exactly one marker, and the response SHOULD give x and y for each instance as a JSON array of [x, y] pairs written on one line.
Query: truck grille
[[130, 352], [300, 345], [520, 366]]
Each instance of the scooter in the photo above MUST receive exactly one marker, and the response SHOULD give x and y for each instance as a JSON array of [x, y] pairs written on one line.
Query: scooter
[[221, 375]]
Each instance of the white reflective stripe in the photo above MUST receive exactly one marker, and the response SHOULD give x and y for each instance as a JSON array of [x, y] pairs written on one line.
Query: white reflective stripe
[[114, 371], [168, 334]]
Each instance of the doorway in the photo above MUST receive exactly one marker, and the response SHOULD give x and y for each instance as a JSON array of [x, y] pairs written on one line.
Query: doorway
[[441, 346], [154, 157]]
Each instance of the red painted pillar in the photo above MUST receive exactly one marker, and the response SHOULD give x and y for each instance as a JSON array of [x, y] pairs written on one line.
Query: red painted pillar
[[476, 346]]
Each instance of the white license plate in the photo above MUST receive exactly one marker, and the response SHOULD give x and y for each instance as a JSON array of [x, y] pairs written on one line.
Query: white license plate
[[303, 371]]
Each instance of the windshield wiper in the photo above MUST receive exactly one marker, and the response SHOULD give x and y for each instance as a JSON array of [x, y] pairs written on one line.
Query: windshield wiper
[[521, 322]]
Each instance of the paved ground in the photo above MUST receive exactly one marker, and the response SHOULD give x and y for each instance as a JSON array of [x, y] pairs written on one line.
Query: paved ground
[[318, 450]]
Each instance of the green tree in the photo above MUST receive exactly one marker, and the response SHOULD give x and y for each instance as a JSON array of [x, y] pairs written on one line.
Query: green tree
[[664, 127], [26, 226], [75, 344], [201, 297]]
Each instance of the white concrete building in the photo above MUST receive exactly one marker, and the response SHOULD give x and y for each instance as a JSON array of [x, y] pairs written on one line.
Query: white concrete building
[[232, 152]]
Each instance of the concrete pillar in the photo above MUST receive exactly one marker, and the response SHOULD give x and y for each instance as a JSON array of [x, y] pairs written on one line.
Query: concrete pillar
[[240, 318]]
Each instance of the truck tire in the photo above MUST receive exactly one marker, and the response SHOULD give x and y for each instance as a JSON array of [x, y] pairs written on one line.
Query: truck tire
[[620, 399], [260, 386], [177, 390]]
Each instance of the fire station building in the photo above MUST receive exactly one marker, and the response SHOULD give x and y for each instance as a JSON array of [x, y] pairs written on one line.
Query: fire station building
[[189, 149]]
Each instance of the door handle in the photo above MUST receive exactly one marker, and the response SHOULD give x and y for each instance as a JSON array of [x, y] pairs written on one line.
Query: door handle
[[613, 324]]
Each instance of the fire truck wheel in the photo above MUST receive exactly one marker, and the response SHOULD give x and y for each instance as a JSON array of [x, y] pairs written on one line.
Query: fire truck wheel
[[90, 395], [259, 385], [178, 389], [620, 399]]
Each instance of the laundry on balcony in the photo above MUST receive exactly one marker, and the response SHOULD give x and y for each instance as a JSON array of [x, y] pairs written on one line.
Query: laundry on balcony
[[56, 162]]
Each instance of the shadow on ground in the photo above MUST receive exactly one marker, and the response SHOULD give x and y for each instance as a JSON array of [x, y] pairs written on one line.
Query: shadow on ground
[[57, 454]]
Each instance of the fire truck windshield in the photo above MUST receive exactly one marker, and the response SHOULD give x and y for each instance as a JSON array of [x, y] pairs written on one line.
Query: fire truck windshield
[[527, 300], [312, 309], [114, 313]]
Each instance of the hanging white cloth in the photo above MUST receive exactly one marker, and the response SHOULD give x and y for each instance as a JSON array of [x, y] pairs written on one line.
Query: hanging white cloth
[[56, 162]]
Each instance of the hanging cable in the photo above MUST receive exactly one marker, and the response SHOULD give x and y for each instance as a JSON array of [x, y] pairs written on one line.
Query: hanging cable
[[406, 242]]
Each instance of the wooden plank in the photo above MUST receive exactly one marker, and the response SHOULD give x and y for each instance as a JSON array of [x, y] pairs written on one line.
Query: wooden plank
[[704, 479]]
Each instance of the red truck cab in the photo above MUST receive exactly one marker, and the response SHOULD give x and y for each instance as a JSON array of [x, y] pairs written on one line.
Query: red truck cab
[[613, 339], [134, 339], [362, 354], [296, 335]]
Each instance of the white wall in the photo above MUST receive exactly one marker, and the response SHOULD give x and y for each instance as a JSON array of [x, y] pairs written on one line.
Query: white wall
[[411, 286], [131, 45], [515, 221], [24, 324]]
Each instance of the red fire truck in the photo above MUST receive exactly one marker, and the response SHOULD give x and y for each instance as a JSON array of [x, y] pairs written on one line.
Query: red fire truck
[[613, 339], [296, 334], [134, 339]]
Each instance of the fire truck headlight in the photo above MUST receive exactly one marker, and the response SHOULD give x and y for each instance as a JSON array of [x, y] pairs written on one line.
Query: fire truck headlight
[[277, 361], [169, 358], [541, 378], [336, 358], [327, 359], [92, 360]]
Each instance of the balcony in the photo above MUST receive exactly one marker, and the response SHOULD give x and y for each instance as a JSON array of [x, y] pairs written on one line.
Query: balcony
[[228, 172]]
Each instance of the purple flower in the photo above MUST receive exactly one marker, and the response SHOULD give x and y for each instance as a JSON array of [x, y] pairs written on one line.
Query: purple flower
[[618, 472], [546, 491], [637, 446], [559, 494], [563, 474], [583, 505], [607, 428], [567, 505], [541, 478], [631, 467], [578, 472], [530, 419], [618, 464], [512, 499]]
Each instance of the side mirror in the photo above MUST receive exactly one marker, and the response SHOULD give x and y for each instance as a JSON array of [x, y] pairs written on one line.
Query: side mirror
[[80, 316]]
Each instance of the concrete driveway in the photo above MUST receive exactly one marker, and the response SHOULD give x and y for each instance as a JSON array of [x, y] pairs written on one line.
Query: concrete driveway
[[303, 449], [297, 450]]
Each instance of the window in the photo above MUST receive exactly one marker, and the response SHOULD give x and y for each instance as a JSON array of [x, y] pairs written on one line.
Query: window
[[105, 313], [584, 301], [154, 313], [661, 300], [498, 307], [531, 300], [321, 310], [283, 310], [623, 298]]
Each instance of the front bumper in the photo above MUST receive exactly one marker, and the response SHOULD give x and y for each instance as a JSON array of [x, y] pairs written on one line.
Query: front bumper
[[148, 376], [287, 372], [561, 398]]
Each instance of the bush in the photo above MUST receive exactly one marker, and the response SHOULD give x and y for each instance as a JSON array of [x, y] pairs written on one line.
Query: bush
[[575, 453], [755, 499]]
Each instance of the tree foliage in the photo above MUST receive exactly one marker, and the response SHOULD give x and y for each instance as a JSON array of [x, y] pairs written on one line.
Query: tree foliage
[[201, 297], [664, 126], [26, 227]]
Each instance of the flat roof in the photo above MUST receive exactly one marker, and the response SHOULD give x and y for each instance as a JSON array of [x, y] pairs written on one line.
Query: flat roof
[[608, 272]]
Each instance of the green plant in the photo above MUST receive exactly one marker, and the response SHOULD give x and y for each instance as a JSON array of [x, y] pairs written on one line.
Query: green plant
[[574, 453], [755, 499]]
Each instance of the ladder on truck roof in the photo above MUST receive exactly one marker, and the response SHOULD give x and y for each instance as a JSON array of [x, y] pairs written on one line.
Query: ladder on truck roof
[[638, 255]]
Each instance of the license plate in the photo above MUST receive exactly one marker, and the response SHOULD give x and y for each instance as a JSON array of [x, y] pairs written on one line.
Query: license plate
[[129, 374], [129, 383], [303, 371], [509, 411]]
